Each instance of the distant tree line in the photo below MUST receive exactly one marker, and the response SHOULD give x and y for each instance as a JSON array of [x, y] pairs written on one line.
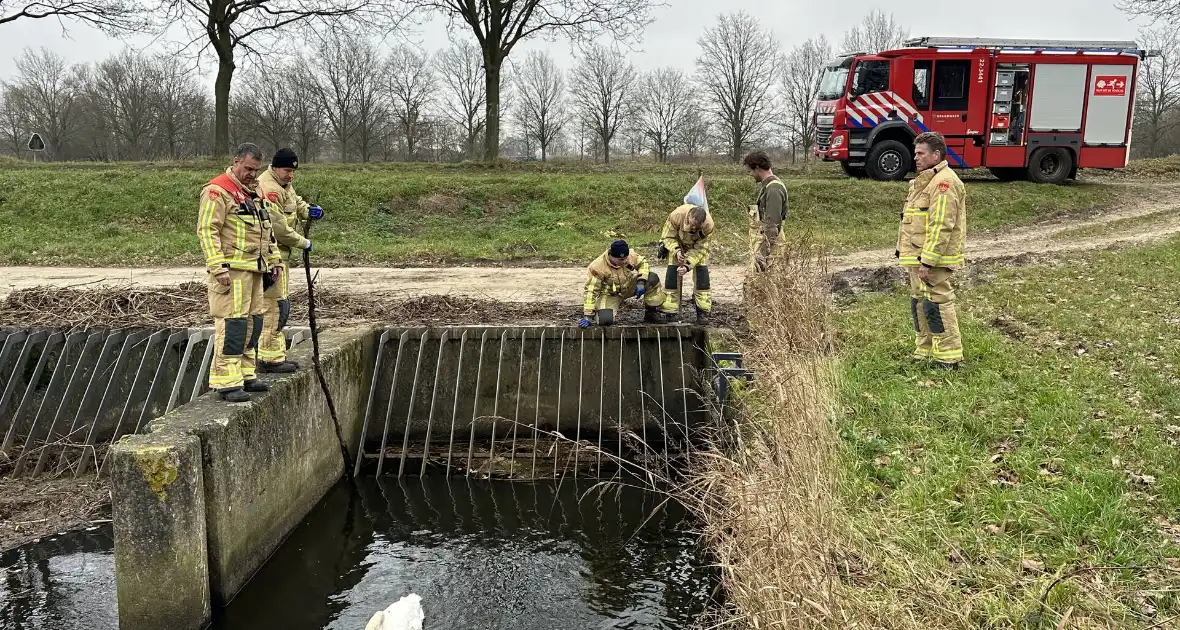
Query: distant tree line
[[348, 99]]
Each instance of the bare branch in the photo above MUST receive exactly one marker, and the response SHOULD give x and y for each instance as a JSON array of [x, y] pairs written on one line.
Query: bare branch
[[604, 91], [542, 110], [109, 15], [876, 32], [666, 102], [800, 87], [460, 68], [499, 25], [737, 65]]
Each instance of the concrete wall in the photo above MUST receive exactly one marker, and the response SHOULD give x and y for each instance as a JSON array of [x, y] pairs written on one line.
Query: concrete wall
[[565, 377], [263, 466]]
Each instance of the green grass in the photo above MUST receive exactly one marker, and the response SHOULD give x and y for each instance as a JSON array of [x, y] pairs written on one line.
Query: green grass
[[1038, 451], [144, 214]]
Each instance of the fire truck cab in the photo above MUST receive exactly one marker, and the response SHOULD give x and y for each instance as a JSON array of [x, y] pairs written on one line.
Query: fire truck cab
[[1035, 109]]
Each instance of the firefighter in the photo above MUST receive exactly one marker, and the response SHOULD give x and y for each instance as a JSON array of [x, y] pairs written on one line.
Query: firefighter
[[768, 213], [616, 275], [686, 238], [234, 230], [930, 247], [288, 211]]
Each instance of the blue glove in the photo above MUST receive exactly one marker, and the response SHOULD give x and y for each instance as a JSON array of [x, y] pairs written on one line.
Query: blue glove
[[308, 247], [584, 322], [315, 213], [640, 288]]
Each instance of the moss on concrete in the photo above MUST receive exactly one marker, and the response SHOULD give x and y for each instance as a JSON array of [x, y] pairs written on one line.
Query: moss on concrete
[[159, 465]]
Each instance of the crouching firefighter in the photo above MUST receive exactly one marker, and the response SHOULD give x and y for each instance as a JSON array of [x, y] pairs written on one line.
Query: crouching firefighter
[[616, 275], [685, 247], [287, 211], [235, 234]]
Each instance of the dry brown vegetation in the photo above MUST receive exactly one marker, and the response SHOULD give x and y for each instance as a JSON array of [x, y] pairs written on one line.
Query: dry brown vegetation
[[768, 503]]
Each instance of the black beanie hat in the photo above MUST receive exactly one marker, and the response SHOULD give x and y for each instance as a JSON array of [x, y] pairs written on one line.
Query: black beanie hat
[[285, 158], [619, 249]]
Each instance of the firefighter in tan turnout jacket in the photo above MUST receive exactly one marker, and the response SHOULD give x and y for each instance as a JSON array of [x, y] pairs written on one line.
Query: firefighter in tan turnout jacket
[[616, 275], [930, 247], [684, 246], [234, 230], [288, 211]]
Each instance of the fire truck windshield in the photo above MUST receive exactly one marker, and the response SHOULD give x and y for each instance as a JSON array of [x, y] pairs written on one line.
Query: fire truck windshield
[[834, 80]]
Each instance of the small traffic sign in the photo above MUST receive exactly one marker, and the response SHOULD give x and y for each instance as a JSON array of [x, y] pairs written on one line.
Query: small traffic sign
[[36, 143]]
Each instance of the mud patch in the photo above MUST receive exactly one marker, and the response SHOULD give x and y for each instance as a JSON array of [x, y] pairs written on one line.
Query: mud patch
[[186, 305], [867, 280], [445, 205]]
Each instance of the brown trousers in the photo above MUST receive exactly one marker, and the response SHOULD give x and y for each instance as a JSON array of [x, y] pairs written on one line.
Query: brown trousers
[[936, 323], [272, 346], [237, 320]]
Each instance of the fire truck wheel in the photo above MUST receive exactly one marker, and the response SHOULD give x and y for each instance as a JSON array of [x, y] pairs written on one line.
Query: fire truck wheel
[[853, 171], [1050, 165], [889, 161]]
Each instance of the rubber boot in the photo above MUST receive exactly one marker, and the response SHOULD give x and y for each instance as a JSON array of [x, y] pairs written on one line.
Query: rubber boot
[[702, 316], [653, 316], [284, 367], [946, 366], [255, 385], [233, 395]]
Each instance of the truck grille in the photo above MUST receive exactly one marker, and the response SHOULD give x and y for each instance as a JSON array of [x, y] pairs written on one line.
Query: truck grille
[[823, 136]]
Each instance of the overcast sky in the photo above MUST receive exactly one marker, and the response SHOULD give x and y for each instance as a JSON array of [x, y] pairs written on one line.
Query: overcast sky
[[671, 39]]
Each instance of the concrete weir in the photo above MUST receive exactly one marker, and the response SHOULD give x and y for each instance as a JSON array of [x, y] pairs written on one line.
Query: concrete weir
[[209, 491]]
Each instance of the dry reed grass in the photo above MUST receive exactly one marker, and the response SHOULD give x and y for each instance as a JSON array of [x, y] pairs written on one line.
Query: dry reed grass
[[768, 506]]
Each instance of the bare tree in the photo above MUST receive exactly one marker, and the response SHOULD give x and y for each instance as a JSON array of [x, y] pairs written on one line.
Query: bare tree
[[251, 27], [1158, 84], [542, 107], [666, 102], [800, 86], [51, 94], [603, 86], [461, 69], [262, 112], [108, 15], [1167, 10], [874, 33], [336, 64], [307, 112], [693, 136], [372, 101], [737, 66], [499, 25], [411, 85], [123, 94], [180, 105], [12, 119]]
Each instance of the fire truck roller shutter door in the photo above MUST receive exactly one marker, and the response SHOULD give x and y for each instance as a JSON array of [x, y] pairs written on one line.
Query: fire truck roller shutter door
[[1110, 97]]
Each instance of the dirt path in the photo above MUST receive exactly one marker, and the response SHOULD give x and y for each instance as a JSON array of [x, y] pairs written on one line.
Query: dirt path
[[1146, 220], [1149, 220]]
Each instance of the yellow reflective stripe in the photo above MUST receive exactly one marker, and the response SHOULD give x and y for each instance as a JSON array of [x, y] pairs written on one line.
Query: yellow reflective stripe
[[240, 227], [935, 221], [593, 286], [206, 230], [237, 288], [909, 259]]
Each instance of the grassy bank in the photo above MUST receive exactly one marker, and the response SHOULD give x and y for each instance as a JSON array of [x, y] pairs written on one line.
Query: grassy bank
[[1055, 450], [895, 496], [144, 214]]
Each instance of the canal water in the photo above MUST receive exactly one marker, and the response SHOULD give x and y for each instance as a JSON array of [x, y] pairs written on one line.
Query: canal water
[[481, 554]]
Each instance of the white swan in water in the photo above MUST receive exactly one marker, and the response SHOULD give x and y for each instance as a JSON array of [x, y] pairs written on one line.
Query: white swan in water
[[404, 614]]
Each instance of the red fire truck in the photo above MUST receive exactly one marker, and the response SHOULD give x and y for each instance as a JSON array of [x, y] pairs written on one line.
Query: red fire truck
[[1031, 109]]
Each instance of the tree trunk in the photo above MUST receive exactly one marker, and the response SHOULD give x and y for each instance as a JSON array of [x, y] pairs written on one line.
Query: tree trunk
[[225, 74], [605, 151], [492, 63]]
